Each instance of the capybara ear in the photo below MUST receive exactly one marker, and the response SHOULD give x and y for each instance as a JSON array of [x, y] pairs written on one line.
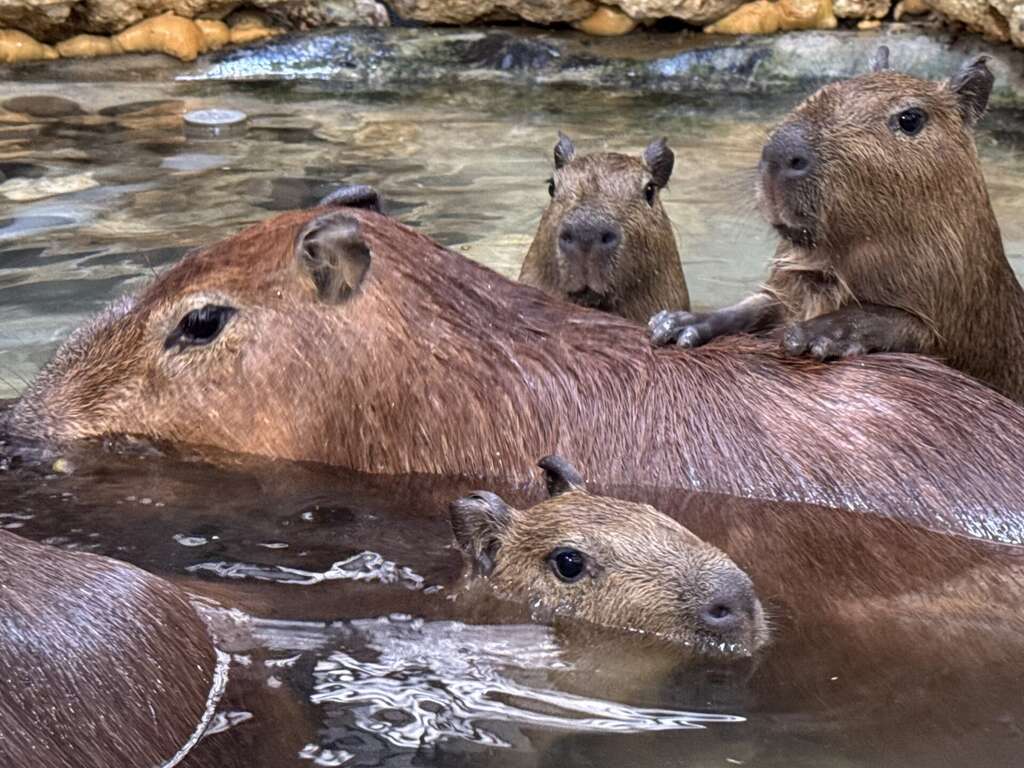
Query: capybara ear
[[332, 250], [972, 85], [880, 61], [354, 196], [565, 150], [560, 476], [659, 160], [478, 521]]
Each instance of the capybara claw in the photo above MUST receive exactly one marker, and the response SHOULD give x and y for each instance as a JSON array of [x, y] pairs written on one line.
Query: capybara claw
[[666, 326], [354, 196]]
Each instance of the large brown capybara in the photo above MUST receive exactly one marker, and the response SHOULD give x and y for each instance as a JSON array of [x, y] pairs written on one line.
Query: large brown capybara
[[609, 562], [344, 337], [101, 663], [887, 238], [605, 240]]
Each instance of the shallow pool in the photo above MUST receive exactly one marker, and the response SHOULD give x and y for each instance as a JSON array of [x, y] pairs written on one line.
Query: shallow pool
[[346, 646]]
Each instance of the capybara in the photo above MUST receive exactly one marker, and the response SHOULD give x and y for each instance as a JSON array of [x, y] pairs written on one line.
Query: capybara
[[605, 240], [103, 665], [887, 238], [609, 562], [346, 338]]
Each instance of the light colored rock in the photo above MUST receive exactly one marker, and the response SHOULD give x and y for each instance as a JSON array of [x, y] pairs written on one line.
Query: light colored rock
[[166, 33], [25, 190], [762, 17], [1017, 25], [16, 47], [606, 22], [692, 11], [862, 9], [466, 11], [977, 15], [87, 47], [868, 24], [910, 8], [216, 34]]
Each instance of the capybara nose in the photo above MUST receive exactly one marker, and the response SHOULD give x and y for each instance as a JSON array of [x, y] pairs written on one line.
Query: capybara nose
[[589, 237], [731, 607], [788, 154]]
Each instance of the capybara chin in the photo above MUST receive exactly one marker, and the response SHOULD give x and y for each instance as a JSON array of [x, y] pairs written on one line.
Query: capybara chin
[[605, 241], [887, 238], [346, 338], [609, 562], [103, 665]]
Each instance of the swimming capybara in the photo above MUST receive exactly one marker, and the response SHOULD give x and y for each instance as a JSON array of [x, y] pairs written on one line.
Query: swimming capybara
[[104, 665], [887, 238], [605, 240], [346, 338], [609, 562]]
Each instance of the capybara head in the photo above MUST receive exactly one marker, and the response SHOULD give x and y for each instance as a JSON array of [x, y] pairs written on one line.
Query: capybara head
[[604, 240], [609, 562], [880, 156]]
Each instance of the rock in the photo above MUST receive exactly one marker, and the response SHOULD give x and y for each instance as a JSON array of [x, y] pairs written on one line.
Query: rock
[[341, 13], [25, 190], [216, 34], [910, 8], [863, 9], [1017, 25], [43, 106], [16, 47], [466, 11], [167, 33], [250, 26], [762, 17], [977, 15], [758, 18], [692, 11], [866, 24], [87, 47], [36, 17], [606, 22], [806, 14]]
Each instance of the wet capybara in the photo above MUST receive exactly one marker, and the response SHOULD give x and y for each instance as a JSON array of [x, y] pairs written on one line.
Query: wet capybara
[[346, 338], [605, 240], [101, 661], [609, 562], [887, 238]]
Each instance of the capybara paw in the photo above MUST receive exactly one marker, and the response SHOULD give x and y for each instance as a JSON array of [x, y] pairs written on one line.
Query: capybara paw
[[822, 340], [354, 196], [668, 326]]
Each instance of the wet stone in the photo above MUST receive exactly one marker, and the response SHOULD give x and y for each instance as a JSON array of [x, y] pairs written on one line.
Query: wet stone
[[43, 106]]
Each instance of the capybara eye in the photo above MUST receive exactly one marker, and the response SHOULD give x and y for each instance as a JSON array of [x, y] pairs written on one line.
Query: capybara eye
[[200, 326], [649, 192], [568, 564], [911, 121], [551, 187]]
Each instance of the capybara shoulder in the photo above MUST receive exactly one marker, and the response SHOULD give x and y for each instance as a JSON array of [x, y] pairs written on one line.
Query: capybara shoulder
[[605, 241], [887, 239], [101, 661], [609, 562]]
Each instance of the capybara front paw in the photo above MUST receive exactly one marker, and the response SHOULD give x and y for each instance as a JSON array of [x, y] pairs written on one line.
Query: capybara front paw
[[823, 339], [669, 327]]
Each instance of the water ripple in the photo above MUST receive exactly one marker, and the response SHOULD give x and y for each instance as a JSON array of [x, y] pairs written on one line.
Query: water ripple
[[364, 567]]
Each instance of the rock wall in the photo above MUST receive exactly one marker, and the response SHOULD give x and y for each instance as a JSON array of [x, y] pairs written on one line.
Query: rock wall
[[46, 29]]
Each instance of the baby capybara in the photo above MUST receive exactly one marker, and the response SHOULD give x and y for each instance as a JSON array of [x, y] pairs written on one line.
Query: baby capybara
[[609, 562], [887, 238], [341, 336], [605, 240], [102, 664]]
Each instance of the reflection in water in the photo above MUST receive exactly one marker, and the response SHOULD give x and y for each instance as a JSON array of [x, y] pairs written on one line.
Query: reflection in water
[[366, 567], [431, 681]]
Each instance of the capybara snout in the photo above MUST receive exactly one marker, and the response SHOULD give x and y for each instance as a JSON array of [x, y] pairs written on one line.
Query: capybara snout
[[609, 562]]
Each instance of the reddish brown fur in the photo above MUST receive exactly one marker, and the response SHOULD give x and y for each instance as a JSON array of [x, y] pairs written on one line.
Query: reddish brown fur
[[439, 365], [102, 664], [645, 275]]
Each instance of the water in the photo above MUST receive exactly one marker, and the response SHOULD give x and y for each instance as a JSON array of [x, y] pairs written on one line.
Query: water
[[331, 590]]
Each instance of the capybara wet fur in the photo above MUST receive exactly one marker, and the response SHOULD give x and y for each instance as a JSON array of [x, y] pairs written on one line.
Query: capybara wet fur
[[887, 238], [103, 665], [343, 337], [605, 241], [609, 562]]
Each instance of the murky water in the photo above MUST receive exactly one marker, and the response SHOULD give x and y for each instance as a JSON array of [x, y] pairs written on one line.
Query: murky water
[[346, 646]]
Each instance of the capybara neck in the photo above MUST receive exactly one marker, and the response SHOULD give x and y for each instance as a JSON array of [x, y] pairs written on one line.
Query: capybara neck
[[349, 339]]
